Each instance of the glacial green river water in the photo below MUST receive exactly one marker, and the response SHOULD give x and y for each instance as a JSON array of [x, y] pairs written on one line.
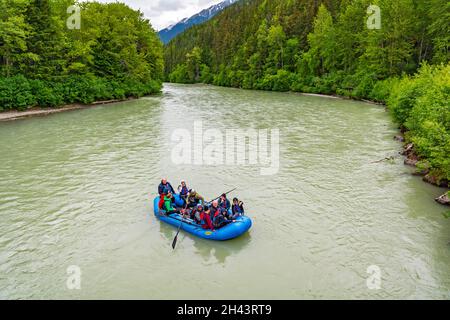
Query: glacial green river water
[[76, 190]]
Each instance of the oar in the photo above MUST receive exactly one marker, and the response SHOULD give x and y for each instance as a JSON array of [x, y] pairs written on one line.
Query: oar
[[174, 242], [221, 195]]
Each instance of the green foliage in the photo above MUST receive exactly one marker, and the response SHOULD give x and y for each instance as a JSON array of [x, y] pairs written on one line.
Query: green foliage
[[193, 70], [21, 93], [389, 51], [405, 93], [325, 44], [179, 75], [382, 89], [115, 54], [281, 81], [15, 93], [193, 63], [206, 76], [47, 95], [439, 29], [320, 56], [422, 104]]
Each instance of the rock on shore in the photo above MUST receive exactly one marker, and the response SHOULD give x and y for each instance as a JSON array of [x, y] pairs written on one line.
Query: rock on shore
[[411, 159], [444, 199]]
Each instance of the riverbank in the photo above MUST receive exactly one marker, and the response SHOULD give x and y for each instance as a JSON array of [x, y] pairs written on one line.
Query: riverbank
[[41, 112], [337, 96], [308, 94], [412, 160]]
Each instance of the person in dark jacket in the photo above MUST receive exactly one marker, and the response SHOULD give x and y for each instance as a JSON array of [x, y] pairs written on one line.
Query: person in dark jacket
[[183, 191], [224, 203], [165, 187], [213, 208], [218, 215], [237, 209]]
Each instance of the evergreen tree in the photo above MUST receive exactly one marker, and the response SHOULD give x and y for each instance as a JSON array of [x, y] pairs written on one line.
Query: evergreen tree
[[115, 54], [44, 41], [193, 64], [14, 32]]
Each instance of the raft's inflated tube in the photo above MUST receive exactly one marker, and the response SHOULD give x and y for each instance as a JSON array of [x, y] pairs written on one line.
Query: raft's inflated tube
[[230, 231]]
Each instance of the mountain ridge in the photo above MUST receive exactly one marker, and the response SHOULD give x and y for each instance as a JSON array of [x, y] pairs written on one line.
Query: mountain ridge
[[173, 30]]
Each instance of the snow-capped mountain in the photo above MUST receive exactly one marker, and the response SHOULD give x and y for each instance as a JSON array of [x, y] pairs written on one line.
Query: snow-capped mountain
[[171, 32]]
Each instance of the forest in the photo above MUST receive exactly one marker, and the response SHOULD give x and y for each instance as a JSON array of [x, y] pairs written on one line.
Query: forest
[[49, 56], [389, 51]]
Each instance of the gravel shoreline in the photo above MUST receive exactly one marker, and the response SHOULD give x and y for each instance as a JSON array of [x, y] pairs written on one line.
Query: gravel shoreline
[[35, 112]]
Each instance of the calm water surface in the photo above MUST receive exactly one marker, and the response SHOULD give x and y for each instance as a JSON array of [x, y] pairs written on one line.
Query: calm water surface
[[75, 189]]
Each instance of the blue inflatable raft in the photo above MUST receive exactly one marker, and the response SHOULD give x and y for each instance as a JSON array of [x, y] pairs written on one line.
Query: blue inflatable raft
[[230, 231]]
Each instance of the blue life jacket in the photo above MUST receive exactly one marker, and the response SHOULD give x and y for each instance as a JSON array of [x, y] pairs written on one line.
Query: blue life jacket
[[184, 191], [224, 204], [237, 208]]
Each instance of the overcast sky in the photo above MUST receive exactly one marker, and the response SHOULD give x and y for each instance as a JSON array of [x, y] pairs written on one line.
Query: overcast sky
[[163, 13]]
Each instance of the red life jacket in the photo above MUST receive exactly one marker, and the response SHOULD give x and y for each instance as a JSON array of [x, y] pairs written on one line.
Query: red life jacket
[[218, 219], [161, 201], [217, 211], [205, 221]]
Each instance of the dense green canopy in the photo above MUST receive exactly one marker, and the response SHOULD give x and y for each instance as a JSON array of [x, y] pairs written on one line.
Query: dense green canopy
[[45, 61], [321, 45]]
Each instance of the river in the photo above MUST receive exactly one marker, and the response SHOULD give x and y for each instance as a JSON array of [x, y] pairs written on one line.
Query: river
[[76, 190]]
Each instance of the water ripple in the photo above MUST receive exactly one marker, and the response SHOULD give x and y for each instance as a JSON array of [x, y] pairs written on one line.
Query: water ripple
[[76, 189]]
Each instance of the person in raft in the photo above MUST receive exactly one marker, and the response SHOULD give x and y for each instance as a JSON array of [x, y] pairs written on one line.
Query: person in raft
[[193, 199], [168, 206], [202, 218], [218, 215], [183, 191], [224, 203], [237, 209], [164, 187]]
